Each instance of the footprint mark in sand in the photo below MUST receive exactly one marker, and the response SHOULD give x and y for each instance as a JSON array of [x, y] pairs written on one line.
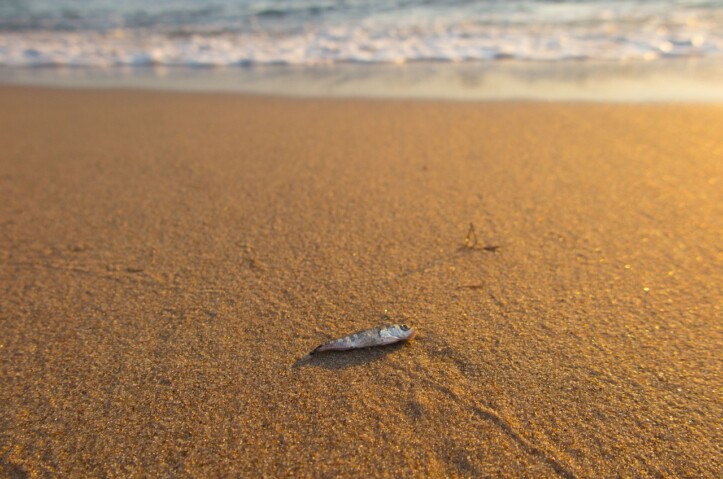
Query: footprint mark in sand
[[526, 445], [456, 359], [415, 409], [459, 459], [13, 470]]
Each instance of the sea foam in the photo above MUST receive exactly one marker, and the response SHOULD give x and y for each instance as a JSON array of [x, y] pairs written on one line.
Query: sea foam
[[327, 33]]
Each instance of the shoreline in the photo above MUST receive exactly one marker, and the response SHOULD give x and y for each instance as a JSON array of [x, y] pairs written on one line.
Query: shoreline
[[166, 259], [691, 80]]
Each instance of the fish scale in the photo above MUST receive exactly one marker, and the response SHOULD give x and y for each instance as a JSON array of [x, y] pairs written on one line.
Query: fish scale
[[379, 336]]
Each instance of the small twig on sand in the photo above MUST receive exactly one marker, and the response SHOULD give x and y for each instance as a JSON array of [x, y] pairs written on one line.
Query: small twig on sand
[[470, 242]]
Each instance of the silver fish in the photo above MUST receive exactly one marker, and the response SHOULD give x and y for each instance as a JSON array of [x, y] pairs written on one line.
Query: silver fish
[[378, 336]]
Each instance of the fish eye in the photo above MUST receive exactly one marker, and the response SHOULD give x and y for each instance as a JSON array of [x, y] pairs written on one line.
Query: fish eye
[[404, 327]]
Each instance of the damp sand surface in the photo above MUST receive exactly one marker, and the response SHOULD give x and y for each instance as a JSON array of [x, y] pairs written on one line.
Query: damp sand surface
[[166, 259]]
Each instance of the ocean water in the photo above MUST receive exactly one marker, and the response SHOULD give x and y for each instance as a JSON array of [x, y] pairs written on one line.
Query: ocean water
[[191, 33]]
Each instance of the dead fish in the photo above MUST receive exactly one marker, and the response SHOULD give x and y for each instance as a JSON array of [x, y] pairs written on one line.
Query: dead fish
[[368, 338]]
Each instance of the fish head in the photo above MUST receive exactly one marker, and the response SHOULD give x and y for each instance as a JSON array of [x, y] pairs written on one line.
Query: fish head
[[403, 332]]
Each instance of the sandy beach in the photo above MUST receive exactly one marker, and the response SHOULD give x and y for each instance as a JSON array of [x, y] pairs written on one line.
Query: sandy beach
[[166, 259]]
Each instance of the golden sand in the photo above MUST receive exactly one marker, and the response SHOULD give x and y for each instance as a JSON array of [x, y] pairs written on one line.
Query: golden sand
[[166, 259]]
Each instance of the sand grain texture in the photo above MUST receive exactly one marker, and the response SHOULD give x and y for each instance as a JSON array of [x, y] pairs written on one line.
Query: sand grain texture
[[166, 259]]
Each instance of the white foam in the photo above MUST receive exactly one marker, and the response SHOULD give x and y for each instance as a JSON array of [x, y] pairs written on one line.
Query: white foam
[[619, 31]]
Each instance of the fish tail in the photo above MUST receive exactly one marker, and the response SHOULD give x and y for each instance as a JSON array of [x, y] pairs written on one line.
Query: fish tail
[[315, 351], [311, 354]]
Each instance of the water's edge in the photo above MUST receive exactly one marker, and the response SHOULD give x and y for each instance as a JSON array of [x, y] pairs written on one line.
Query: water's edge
[[673, 80]]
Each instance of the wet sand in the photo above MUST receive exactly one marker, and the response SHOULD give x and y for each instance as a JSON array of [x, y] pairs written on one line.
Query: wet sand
[[166, 259]]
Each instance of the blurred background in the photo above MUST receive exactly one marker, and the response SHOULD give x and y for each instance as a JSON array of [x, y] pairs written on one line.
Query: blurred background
[[469, 49]]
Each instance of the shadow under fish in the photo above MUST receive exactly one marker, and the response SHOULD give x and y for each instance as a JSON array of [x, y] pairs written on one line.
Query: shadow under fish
[[347, 359]]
